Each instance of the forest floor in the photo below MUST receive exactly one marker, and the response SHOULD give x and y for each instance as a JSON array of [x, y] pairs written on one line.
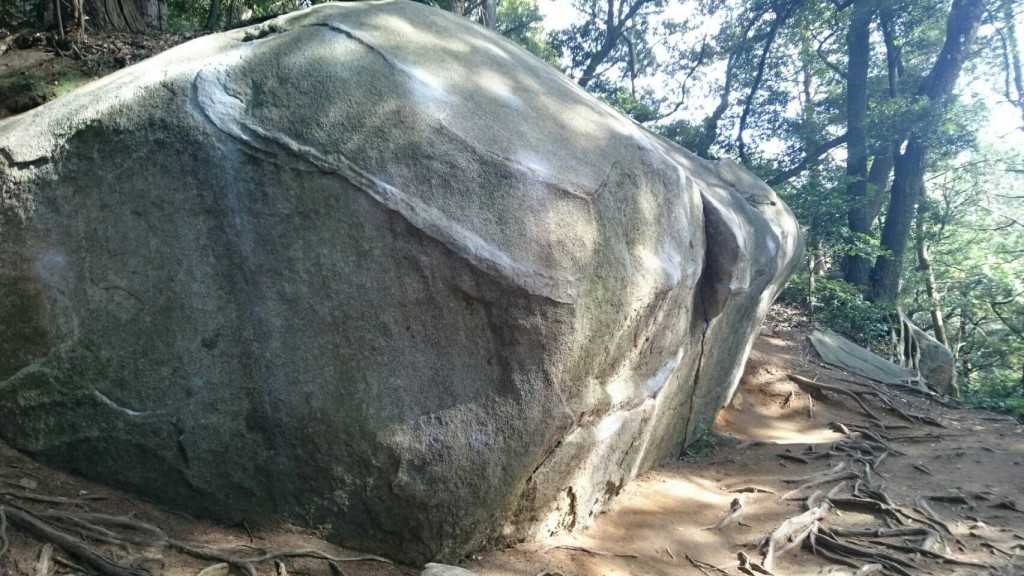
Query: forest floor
[[36, 67], [943, 499]]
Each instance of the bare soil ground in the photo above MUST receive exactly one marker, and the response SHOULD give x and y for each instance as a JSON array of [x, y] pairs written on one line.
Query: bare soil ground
[[943, 499], [36, 67]]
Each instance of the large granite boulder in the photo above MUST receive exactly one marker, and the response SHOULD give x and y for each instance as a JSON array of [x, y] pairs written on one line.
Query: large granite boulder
[[372, 270]]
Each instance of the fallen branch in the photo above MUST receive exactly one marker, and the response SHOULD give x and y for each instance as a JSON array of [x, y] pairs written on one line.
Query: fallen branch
[[752, 489], [594, 552], [704, 566]]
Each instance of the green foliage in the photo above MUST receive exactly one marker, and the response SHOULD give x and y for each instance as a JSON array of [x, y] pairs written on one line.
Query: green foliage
[[973, 226], [15, 14], [841, 307], [521, 22], [187, 14], [703, 447], [1000, 396], [641, 106], [683, 132]]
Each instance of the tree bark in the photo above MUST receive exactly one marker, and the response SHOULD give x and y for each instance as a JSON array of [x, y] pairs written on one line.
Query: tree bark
[[924, 265], [878, 182], [490, 13], [213, 15], [118, 15], [858, 42], [773, 31], [60, 18], [614, 27], [961, 28], [709, 132]]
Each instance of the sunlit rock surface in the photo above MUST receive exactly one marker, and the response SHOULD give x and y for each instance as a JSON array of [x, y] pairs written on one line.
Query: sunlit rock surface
[[372, 270]]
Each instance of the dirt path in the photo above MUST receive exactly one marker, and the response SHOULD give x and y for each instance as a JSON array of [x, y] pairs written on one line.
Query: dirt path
[[664, 516], [958, 478]]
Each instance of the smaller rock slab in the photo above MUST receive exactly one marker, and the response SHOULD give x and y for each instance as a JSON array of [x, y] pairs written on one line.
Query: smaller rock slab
[[843, 353]]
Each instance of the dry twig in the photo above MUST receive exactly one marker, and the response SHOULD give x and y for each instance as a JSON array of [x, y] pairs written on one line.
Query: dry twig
[[705, 567], [592, 551]]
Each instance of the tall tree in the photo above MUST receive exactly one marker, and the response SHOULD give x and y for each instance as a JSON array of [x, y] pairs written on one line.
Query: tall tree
[[858, 43], [608, 34], [114, 15], [910, 165]]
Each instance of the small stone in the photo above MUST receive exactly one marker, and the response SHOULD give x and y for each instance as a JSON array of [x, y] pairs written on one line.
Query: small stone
[[445, 570]]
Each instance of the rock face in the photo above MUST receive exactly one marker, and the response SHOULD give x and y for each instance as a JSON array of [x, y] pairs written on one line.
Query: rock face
[[370, 269]]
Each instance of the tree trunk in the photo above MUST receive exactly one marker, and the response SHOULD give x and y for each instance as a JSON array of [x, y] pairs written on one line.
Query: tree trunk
[[490, 13], [614, 26], [878, 184], [117, 15], [858, 42], [961, 27], [924, 265], [906, 187], [60, 18], [613, 30], [213, 15]]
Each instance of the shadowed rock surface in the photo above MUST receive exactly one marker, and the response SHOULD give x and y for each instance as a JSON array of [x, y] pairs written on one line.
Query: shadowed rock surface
[[371, 269], [929, 357]]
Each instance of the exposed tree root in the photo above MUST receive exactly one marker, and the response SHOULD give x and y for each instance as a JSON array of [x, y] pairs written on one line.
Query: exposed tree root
[[808, 383], [735, 514], [77, 548], [905, 535], [878, 393], [748, 566], [77, 533]]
